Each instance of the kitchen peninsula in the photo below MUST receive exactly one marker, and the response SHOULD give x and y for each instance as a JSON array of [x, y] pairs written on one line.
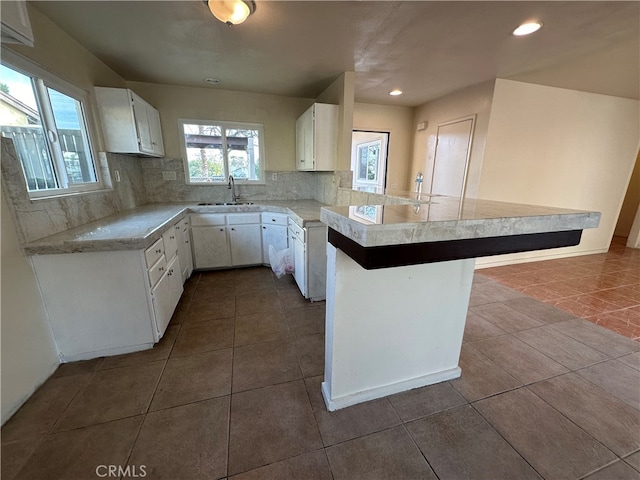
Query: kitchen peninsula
[[398, 284]]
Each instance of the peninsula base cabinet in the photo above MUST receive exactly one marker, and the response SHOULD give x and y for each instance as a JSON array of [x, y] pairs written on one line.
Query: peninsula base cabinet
[[113, 302], [310, 258]]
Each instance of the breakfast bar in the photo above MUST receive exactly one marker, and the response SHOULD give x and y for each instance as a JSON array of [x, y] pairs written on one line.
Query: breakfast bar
[[382, 340]]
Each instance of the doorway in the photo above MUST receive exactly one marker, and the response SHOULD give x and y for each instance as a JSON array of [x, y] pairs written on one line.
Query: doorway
[[369, 152], [451, 160]]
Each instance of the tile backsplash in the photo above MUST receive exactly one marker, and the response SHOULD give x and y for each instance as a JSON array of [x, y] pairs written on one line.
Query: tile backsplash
[[141, 181], [35, 219]]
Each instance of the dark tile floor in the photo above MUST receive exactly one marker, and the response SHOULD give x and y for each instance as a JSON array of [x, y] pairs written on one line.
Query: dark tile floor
[[233, 391]]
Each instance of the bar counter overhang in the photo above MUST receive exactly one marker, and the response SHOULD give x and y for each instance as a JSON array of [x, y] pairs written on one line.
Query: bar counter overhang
[[398, 285]]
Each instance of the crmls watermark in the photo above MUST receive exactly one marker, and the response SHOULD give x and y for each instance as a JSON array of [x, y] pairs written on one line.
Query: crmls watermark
[[117, 471]]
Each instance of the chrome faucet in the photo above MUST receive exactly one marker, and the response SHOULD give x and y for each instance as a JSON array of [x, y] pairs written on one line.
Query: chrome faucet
[[232, 185]]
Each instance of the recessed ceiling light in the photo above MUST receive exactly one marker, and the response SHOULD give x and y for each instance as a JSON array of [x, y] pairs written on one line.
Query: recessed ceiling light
[[212, 81], [395, 92], [527, 28]]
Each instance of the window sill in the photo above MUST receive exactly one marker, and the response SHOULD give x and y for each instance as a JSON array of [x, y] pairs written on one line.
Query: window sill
[[69, 194]]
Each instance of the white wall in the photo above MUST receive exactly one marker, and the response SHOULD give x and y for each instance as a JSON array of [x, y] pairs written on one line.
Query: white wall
[[29, 354], [398, 121], [473, 100], [561, 148], [342, 93], [277, 114]]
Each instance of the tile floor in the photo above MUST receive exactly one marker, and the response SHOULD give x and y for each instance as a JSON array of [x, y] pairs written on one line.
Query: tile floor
[[233, 391], [602, 288]]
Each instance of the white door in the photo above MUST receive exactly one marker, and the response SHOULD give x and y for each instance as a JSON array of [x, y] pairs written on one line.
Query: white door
[[369, 160], [452, 157], [246, 244]]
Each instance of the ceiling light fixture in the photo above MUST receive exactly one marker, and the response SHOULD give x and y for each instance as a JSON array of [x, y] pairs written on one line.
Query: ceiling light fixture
[[527, 29], [231, 12], [395, 92], [212, 81]]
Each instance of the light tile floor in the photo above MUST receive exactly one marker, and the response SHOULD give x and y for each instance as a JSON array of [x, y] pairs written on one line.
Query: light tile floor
[[233, 391], [602, 288]]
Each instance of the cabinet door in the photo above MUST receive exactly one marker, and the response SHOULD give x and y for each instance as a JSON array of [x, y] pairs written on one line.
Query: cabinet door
[[170, 240], [155, 130], [304, 141], [275, 235], [166, 295], [246, 244], [210, 247], [300, 264], [184, 250], [142, 123]]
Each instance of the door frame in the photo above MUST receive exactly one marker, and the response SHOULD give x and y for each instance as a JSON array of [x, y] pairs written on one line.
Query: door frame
[[466, 165], [386, 153]]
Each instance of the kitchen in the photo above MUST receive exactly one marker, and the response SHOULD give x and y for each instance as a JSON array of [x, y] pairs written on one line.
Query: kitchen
[[142, 179]]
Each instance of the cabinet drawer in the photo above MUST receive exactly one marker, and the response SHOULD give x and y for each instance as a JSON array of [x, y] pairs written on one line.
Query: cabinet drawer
[[208, 219], [170, 243], [154, 252], [298, 231], [243, 218], [275, 218], [156, 271]]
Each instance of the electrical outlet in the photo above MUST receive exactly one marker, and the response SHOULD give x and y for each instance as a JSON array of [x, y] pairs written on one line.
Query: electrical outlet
[[274, 176], [116, 173], [168, 175]]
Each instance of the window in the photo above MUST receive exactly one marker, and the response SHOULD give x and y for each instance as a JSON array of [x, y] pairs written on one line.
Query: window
[[46, 119], [214, 150]]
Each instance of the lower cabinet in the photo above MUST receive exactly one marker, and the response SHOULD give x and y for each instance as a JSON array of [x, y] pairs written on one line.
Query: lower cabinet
[[166, 294], [309, 247], [112, 302], [274, 232], [210, 247], [246, 244]]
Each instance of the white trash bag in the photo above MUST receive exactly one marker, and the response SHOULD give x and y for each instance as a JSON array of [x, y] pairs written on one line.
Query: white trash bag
[[281, 261]]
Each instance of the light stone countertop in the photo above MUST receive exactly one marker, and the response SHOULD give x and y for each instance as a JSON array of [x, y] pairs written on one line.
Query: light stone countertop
[[449, 218], [140, 227]]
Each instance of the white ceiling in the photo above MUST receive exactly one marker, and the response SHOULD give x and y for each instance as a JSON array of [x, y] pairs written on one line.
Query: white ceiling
[[425, 48]]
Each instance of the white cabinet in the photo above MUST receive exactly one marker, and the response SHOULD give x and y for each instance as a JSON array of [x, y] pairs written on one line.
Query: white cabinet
[[245, 238], [246, 244], [16, 27], [317, 138], [310, 258], [210, 247], [129, 124], [112, 302], [274, 232], [183, 237], [166, 294]]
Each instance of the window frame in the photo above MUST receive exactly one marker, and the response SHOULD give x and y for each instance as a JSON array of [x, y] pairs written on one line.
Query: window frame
[[223, 125], [45, 79]]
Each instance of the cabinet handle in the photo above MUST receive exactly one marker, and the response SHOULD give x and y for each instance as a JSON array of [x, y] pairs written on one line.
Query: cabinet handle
[[186, 241], [222, 229], [161, 269], [264, 228], [159, 250], [233, 229], [273, 219], [172, 238]]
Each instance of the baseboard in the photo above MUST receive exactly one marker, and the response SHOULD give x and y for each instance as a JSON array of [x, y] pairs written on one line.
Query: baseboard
[[379, 392]]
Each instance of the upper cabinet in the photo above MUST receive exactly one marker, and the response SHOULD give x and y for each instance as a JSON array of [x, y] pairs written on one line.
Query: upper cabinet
[[317, 138], [16, 27], [130, 125]]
